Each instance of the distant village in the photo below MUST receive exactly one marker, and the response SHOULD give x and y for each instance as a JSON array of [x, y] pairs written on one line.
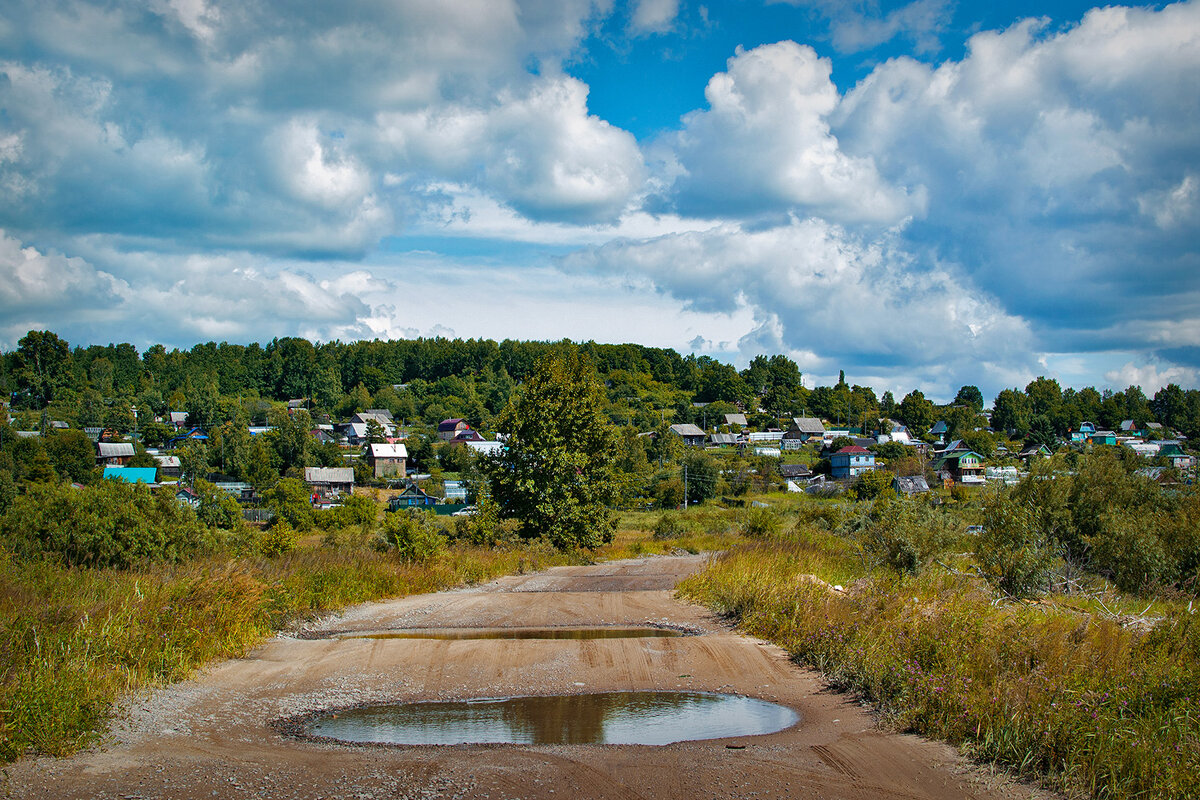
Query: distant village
[[836, 456], [689, 429]]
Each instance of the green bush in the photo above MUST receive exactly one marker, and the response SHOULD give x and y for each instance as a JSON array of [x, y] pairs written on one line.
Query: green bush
[[670, 525], [279, 539], [105, 524], [902, 532], [291, 501], [414, 535], [870, 485], [761, 523], [1013, 550]]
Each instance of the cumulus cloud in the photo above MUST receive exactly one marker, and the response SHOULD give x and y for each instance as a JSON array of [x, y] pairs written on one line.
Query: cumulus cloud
[[814, 288], [765, 144], [37, 285], [1150, 377], [229, 125], [1059, 165]]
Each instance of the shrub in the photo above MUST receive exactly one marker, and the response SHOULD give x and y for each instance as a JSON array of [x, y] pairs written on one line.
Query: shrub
[[870, 485], [1013, 550], [280, 539], [669, 525], [414, 535], [903, 533], [761, 523], [105, 524], [290, 500]]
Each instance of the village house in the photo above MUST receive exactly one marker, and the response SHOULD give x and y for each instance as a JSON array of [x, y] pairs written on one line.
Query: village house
[[910, 485], [187, 496], [485, 448], [958, 463], [726, 439], [449, 428], [327, 481], [736, 419], [387, 460], [801, 430], [412, 497], [147, 475], [115, 454], [1086, 429], [169, 466], [691, 434], [851, 461]]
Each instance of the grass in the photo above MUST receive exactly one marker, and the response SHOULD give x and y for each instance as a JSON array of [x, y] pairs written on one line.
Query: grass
[[1048, 689], [74, 640]]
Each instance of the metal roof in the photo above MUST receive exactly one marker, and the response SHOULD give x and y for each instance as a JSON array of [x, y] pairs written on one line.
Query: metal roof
[[807, 425], [329, 474], [115, 449]]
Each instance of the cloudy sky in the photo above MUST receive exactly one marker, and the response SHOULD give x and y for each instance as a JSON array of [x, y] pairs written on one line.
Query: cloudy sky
[[924, 194]]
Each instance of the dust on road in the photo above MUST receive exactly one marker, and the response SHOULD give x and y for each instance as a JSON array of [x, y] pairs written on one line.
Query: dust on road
[[217, 736]]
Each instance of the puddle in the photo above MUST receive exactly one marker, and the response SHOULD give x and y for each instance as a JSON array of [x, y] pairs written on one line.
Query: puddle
[[521, 633], [649, 718]]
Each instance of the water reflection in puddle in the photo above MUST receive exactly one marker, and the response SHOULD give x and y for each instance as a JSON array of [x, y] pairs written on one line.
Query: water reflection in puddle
[[520, 633], [651, 718]]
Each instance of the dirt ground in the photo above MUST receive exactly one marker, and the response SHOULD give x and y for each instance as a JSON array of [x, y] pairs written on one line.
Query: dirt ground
[[213, 737]]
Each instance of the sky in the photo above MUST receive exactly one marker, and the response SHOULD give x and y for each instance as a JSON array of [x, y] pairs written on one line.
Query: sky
[[923, 194]]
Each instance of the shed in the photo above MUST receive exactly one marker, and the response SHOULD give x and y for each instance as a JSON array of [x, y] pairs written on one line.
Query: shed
[[333, 479], [910, 484]]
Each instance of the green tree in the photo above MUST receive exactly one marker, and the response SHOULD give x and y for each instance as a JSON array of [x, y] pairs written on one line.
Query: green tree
[[43, 368], [969, 396], [73, 455], [1011, 412], [916, 412], [289, 498], [555, 475], [702, 476]]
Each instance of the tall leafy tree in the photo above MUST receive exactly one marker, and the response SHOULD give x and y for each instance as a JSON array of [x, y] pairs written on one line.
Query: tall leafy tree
[[556, 474]]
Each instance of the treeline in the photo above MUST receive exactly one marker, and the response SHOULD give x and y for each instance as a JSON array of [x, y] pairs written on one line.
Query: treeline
[[427, 380]]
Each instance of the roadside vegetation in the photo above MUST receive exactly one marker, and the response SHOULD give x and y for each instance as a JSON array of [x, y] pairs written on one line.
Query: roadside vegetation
[[1062, 641]]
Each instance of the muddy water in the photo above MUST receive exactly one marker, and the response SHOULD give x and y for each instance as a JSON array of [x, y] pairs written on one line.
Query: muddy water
[[649, 718], [521, 633]]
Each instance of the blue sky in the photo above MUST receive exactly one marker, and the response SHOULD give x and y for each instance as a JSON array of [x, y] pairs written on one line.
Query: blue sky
[[923, 193]]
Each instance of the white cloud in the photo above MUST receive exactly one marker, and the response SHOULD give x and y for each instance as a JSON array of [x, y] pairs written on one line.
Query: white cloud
[[813, 288], [37, 284], [1150, 378], [765, 144], [653, 16]]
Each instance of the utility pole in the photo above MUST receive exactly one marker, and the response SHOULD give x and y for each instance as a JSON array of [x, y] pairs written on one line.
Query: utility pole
[[685, 492]]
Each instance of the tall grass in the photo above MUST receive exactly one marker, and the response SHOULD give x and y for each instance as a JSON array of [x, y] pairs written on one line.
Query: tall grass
[[72, 640], [1074, 699]]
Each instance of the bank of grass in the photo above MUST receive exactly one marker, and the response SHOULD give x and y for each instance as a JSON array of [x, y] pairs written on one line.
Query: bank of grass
[[74, 640], [1049, 689]]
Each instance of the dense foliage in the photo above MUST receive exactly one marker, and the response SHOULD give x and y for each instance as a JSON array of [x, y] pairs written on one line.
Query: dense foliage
[[106, 524]]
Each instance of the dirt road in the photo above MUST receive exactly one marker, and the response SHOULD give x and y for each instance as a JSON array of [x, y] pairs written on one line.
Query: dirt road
[[213, 737]]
